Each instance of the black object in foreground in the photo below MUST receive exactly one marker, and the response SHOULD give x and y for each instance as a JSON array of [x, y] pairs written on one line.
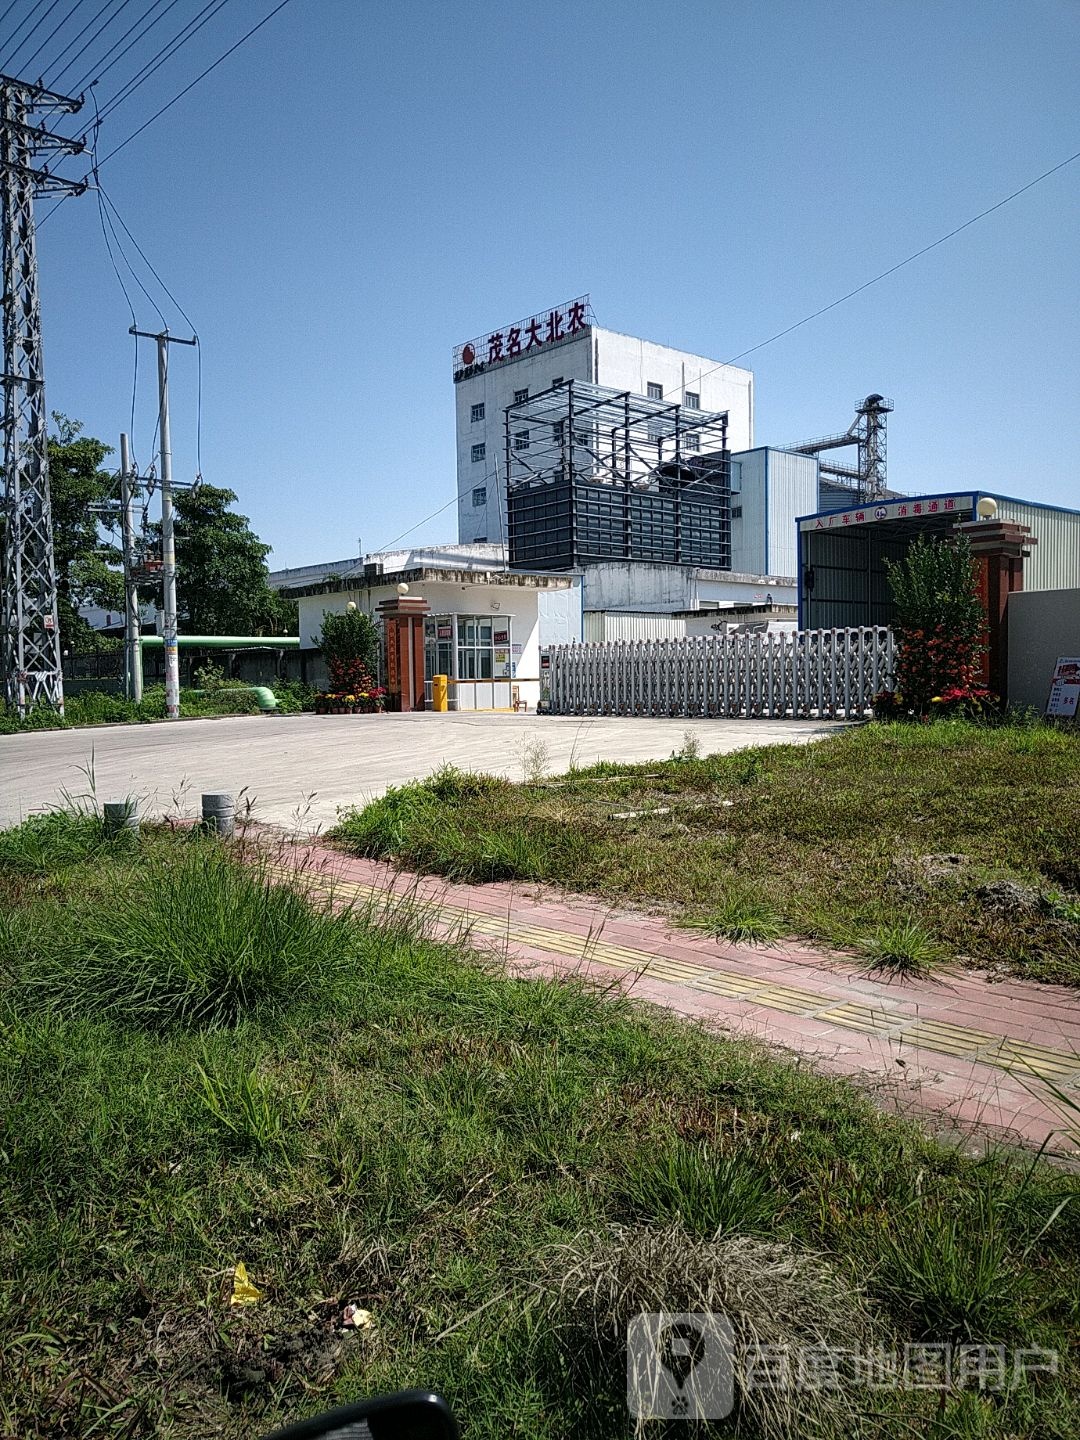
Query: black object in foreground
[[406, 1415]]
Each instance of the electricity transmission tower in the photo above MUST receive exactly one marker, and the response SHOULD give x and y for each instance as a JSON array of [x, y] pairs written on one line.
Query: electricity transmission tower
[[28, 618]]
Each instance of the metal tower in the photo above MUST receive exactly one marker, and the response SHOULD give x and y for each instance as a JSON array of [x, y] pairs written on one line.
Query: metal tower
[[28, 619], [867, 431]]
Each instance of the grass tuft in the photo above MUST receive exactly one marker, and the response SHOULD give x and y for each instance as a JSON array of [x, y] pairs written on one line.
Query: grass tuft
[[774, 1296], [199, 942], [708, 1193], [902, 947], [741, 917]]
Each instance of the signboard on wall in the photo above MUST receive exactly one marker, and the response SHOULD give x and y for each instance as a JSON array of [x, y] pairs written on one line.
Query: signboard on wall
[[914, 507], [550, 327], [1064, 698]]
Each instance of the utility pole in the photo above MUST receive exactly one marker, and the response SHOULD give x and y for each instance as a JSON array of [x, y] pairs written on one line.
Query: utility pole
[[29, 629], [168, 545], [133, 677]]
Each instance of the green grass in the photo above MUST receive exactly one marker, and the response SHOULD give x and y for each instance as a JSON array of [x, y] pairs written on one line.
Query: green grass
[[825, 840], [198, 1068], [93, 707]]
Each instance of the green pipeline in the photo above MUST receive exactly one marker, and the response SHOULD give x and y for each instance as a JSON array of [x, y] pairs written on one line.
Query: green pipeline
[[225, 642], [266, 697]]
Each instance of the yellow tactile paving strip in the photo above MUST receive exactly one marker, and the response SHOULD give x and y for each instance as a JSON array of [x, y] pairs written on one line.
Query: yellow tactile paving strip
[[901, 1030]]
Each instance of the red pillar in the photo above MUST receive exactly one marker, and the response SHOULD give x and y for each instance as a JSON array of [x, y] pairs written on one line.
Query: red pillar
[[403, 627], [1000, 548]]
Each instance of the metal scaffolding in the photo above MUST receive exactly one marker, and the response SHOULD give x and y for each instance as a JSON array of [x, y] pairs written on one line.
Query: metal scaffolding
[[28, 619]]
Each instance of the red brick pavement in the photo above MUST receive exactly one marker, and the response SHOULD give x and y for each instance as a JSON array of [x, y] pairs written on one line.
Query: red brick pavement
[[902, 1053]]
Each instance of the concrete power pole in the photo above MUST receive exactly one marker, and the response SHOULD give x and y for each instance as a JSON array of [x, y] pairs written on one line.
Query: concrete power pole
[[29, 628], [133, 679], [168, 545]]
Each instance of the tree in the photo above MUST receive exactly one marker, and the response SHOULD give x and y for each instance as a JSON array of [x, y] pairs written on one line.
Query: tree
[[939, 624], [87, 561], [221, 586]]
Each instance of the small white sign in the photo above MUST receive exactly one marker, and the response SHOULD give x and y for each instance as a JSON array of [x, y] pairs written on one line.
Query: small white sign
[[1065, 688]]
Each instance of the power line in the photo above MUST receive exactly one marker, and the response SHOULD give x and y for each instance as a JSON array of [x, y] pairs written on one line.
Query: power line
[[92, 21], [167, 51], [97, 71], [11, 38], [179, 96], [411, 528], [30, 33], [899, 265], [7, 10], [183, 315], [201, 76]]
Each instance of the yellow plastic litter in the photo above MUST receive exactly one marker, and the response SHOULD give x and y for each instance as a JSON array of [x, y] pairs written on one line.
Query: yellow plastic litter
[[243, 1291]]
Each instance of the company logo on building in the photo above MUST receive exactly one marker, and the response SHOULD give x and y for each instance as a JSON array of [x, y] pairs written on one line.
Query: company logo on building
[[565, 322]]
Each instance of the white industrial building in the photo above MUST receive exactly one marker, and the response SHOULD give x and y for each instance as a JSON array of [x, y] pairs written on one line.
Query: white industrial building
[[507, 366]]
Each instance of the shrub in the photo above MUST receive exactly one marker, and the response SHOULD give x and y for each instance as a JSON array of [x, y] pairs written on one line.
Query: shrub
[[350, 643], [939, 625]]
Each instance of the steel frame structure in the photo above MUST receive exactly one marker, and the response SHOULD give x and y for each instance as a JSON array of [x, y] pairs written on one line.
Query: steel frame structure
[[595, 474], [585, 432], [28, 618], [867, 431]]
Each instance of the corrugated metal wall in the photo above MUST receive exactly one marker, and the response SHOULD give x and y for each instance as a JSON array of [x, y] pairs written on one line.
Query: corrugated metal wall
[[599, 626], [793, 491], [748, 526], [1055, 560]]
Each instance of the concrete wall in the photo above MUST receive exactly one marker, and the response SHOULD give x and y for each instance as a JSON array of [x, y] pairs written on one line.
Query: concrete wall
[[560, 615], [623, 362], [494, 389], [1043, 625], [640, 586]]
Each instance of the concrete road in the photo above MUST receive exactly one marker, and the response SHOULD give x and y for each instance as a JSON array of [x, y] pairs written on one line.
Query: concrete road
[[300, 768]]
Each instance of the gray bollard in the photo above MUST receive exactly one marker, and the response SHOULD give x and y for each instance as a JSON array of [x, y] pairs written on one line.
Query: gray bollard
[[120, 815], [219, 814]]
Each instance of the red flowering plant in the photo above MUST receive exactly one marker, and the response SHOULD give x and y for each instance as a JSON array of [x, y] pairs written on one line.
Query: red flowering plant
[[939, 627], [350, 644]]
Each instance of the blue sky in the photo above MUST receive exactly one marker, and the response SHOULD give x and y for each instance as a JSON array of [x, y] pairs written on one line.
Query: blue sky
[[362, 186]]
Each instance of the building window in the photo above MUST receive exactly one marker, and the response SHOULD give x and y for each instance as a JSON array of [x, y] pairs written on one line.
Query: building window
[[479, 496], [736, 477], [558, 431], [479, 452], [693, 400], [736, 512], [521, 439], [654, 391], [557, 382], [520, 396], [583, 438], [477, 412], [483, 647], [692, 442]]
